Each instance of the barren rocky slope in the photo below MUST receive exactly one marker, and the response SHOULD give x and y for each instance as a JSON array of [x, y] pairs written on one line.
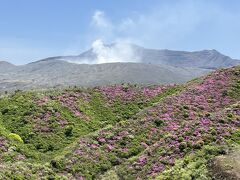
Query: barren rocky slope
[[56, 73]]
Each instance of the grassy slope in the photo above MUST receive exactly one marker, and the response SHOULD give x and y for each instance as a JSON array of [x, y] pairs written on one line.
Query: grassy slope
[[47, 122], [118, 132]]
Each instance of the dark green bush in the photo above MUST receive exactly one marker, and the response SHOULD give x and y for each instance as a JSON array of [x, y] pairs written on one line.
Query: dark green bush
[[69, 131]]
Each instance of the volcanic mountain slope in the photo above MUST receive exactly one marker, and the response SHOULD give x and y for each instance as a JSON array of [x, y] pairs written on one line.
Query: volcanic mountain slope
[[6, 66], [120, 132], [207, 59], [51, 73], [148, 66]]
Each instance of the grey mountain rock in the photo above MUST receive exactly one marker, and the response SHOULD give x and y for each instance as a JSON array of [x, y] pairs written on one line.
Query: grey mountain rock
[[54, 73], [208, 59], [6, 66]]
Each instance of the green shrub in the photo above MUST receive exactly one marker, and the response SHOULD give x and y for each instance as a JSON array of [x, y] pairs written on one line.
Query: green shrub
[[192, 166], [158, 122], [182, 146], [15, 137], [5, 111], [69, 131]]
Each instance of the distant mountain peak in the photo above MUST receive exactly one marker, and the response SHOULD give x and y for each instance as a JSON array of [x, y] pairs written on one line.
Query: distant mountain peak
[[6, 66], [5, 63]]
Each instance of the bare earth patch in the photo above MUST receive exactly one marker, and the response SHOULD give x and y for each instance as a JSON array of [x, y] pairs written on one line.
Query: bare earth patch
[[227, 167]]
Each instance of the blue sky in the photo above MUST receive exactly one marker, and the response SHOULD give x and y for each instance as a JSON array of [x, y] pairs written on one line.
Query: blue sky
[[31, 29]]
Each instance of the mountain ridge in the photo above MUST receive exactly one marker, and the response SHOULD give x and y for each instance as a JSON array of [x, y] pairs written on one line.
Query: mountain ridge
[[152, 67], [161, 53], [165, 57]]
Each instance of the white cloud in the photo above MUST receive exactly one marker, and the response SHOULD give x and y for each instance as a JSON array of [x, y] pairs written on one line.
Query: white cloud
[[100, 20], [162, 26]]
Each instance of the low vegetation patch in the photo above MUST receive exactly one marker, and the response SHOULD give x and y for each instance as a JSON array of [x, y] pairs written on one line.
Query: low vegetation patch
[[120, 132]]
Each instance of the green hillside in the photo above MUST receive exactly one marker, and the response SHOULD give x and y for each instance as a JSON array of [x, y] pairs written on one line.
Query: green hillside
[[122, 131]]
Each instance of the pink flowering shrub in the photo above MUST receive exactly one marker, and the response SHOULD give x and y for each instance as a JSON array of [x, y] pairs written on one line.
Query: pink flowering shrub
[[70, 100], [131, 93], [130, 132], [165, 132], [3, 144]]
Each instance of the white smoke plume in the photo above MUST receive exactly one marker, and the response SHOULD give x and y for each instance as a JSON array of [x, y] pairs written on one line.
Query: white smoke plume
[[119, 52], [105, 30]]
